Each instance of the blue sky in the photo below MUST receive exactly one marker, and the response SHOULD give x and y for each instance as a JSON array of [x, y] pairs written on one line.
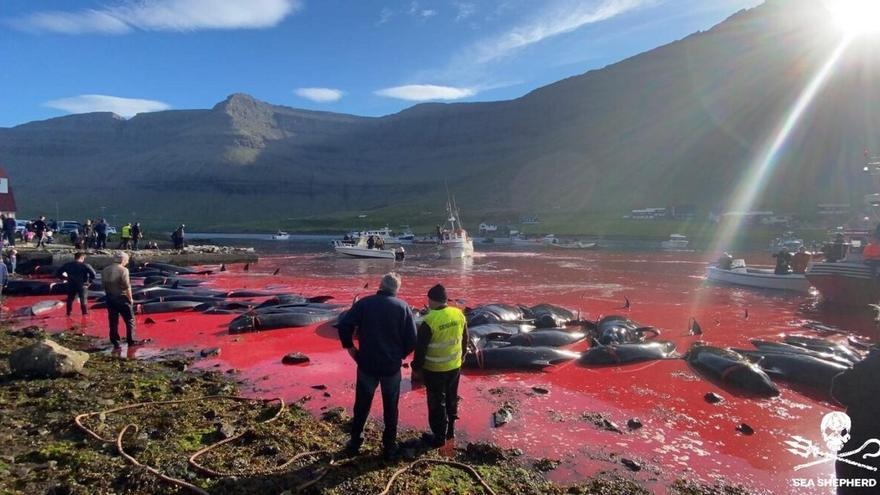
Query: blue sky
[[358, 56]]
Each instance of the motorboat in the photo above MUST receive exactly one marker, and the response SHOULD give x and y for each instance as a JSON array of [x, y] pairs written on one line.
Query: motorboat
[[359, 249], [455, 243], [425, 240], [675, 242], [280, 236], [520, 239], [845, 283], [576, 245], [761, 278]]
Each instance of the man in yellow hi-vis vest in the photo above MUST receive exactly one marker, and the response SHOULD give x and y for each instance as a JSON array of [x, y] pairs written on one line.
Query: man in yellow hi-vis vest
[[441, 344]]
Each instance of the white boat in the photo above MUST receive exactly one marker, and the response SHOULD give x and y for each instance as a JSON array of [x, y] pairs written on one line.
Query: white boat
[[385, 234], [359, 249], [676, 241], [455, 243], [522, 240], [280, 236], [760, 278], [576, 245]]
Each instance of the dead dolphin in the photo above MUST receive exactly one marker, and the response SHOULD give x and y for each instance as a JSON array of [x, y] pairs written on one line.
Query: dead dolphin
[[798, 368], [731, 368], [493, 313], [40, 308], [517, 357], [549, 337], [822, 345], [299, 316], [493, 331], [165, 307], [765, 346], [549, 316], [616, 329], [180, 270], [629, 353]]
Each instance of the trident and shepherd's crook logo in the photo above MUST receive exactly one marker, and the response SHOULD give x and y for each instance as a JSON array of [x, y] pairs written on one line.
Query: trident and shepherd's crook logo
[[835, 427]]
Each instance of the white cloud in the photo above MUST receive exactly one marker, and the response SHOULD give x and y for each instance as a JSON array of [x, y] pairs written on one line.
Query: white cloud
[[126, 107], [564, 17], [416, 10], [465, 10], [425, 13], [320, 95], [426, 92], [385, 15], [162, 15]]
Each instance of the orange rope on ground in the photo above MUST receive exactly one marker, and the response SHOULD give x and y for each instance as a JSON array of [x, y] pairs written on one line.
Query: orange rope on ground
[[473, 472], [167, 479]]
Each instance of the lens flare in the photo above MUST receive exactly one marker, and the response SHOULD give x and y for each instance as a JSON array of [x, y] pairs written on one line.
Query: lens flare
[[856, 16], [755, 178]]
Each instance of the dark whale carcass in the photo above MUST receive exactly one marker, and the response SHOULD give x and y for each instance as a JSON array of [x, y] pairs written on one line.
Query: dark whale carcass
[[493, 331], [517, 357], [551, 337], [40, 308], [798, 368], [180, 270], [629, 353], [290, 317], [549, 316], [780, 347], [493, 313], [616, 329], [165, 307], [821, 345], [731, 368]]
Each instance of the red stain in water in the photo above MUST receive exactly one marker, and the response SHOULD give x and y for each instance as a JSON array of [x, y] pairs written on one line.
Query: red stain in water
[[683, 435]]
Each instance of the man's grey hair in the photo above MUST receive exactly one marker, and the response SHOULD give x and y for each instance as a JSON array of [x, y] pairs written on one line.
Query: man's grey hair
[[390, 282], [120, 258]]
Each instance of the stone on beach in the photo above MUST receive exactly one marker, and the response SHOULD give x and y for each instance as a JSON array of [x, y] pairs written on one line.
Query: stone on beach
[[46, 359], [295, 358]]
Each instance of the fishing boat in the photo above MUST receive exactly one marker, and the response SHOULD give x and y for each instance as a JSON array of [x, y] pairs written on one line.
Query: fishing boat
[[520, 239], [761, 278], [280, 236], [359, 249], [455, 243], [675, 242], [553, 241]]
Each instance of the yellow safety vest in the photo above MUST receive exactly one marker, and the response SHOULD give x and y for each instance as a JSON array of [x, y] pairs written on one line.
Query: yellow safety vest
[[126, 232], [447, 329]]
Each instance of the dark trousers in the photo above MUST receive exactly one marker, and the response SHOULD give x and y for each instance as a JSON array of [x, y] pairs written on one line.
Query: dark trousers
[[134, 244], [9, 235], [74, 292], [119, 306], [101, 241], [442, 389], [363, 399], [41, 239]]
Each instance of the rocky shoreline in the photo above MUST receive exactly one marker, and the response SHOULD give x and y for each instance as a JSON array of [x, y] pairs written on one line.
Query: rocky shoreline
[[46, 452]]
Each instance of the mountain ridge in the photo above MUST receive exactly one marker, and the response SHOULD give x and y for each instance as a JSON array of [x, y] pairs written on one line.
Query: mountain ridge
[[678, 124]]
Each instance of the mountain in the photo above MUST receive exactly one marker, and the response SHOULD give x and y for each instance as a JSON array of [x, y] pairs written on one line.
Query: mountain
[[680, 124]]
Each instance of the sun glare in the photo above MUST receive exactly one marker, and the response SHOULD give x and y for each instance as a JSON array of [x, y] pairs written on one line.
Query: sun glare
[[856, 16]]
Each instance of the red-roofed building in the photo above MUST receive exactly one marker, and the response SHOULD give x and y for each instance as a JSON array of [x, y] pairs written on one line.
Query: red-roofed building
[[7, 198]]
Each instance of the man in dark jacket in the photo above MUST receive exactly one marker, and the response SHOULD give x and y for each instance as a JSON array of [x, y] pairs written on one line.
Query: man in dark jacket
[[858, 389], [440, 348], [137, 233], [386, 334], [79, 275], [40, 228], [101, 234], [9, 228]]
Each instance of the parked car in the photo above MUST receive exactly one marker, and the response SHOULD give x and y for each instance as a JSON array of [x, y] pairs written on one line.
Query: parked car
[[67, 226], [20, 226]]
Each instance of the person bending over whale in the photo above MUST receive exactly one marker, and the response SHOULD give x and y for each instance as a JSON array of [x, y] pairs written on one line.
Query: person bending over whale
[[440, 346]]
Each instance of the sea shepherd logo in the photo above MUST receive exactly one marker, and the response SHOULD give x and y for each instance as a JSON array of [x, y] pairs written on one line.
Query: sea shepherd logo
[[835, 428]]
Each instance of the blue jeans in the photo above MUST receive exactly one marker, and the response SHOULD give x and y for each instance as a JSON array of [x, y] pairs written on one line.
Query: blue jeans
[[363, 400]]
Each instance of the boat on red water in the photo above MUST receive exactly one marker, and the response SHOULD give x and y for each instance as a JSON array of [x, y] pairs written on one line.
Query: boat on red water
[[845, 283]]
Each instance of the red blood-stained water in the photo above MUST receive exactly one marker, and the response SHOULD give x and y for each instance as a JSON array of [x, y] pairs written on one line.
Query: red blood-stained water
[[683, 436]]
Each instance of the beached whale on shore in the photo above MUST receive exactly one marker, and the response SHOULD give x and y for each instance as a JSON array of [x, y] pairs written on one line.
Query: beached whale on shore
[[284, 317], [731, 368], [494, 313], [517, 357], [821, 345], [549, 337], [548, 315], [616, 329], [766, 346], [40, 308], [797, 368], [629, 353]]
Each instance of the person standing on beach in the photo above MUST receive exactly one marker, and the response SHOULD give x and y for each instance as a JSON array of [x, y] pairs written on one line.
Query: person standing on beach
[[386, 334], [178, 237], [79, 275], [120, 301], [136, 235], [440, 347], [101, 234], [12, 260], [4, 279], [9, 228], [125, 237], [40, 229]]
